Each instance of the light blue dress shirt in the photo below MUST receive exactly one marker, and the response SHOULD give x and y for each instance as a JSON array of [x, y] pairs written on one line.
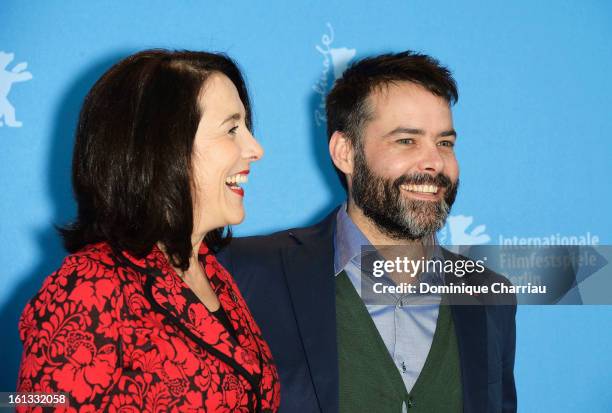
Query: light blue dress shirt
[[407, 330]]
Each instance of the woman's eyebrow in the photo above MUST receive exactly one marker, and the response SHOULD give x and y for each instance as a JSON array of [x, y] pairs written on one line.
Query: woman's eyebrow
[[234, 116]]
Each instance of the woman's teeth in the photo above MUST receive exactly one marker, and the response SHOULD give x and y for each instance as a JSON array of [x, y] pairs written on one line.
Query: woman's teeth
[[236, 179], [430, 189]]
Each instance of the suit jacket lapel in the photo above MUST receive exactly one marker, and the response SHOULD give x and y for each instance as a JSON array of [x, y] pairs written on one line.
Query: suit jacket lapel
[[309, 271]]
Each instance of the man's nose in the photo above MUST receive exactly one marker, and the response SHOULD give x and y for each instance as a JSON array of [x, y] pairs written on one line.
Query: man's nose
[[430, 160]]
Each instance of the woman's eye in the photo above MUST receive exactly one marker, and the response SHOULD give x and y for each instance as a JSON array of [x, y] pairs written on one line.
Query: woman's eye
[[233, 130]]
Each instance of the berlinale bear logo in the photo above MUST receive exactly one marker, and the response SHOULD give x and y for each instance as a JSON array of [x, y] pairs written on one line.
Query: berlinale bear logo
[[17, 74], [460, 234]]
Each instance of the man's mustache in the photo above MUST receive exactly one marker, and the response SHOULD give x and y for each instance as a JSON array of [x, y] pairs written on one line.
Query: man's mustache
[[440, 180]]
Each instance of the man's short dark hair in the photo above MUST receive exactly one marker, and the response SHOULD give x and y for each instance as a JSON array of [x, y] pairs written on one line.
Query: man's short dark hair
[[131, 167], [347, 103]]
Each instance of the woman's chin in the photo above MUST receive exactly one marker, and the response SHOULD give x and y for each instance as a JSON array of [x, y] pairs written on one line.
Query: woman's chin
[[236, 217]]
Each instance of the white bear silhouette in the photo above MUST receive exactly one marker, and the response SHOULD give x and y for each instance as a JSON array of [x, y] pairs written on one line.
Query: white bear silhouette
[[17, 74], [459, 224], [340, 59]]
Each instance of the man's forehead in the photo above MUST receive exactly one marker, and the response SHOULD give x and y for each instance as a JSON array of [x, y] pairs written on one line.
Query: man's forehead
[[405, 102], [405, 90]]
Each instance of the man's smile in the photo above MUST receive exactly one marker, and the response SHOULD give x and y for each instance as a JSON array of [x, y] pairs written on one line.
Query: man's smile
[[423, 192]]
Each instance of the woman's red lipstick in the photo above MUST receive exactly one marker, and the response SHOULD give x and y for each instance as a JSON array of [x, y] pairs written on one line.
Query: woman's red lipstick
[[236, 189]]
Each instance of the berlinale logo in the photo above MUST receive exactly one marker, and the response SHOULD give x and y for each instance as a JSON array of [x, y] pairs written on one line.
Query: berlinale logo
[[17, 74], [460, 232], [334, 58]]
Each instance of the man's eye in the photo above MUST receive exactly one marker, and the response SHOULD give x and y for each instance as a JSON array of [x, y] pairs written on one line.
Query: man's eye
[[405, 141], [233, 130], [448, 144]]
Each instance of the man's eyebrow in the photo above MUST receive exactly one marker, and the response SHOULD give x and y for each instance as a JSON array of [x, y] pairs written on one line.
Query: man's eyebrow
[[401, 129], [234, 116], [415, 131]]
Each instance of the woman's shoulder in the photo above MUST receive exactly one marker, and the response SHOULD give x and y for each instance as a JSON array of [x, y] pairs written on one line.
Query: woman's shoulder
[[91, 260], [87, 277], [88, 286], [72, 326], [93, 264]]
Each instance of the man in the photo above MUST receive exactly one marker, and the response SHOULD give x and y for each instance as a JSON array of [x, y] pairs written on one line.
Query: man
[[391, 139]]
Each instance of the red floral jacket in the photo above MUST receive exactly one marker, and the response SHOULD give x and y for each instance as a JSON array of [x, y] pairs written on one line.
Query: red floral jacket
[[118, 333]]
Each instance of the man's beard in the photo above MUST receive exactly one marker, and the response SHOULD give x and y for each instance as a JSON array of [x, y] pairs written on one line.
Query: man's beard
[[381, 201]]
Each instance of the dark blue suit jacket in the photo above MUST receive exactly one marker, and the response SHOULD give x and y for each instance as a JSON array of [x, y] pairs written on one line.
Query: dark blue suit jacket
[[287, 281]]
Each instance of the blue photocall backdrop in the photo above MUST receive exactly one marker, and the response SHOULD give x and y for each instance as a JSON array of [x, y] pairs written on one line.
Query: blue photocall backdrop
[[533, 119]]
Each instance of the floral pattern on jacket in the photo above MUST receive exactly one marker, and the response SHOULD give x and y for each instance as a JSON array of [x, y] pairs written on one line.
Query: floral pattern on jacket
[[118, 333]]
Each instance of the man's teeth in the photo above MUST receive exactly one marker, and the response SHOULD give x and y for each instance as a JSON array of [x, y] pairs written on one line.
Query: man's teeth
[[237, 179], [431, 189]]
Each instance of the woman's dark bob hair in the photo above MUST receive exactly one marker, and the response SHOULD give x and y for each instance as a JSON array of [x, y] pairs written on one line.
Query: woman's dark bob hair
[[131, 167]]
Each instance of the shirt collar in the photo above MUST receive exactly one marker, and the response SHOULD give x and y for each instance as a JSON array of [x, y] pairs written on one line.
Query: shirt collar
[[348, 240]]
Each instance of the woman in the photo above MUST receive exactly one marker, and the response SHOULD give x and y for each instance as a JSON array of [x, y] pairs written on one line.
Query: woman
[[141, 316]]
